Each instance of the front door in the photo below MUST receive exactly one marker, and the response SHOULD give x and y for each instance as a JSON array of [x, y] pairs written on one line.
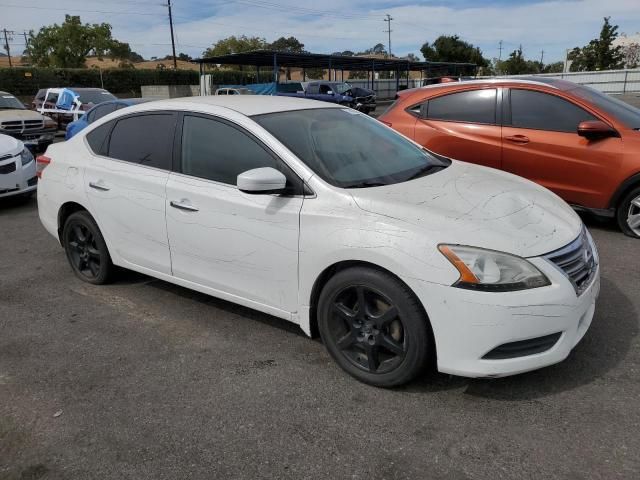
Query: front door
[[541, 143], [244, 245]]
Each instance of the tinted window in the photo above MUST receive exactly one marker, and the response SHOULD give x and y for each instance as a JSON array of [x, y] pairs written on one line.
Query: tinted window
[[349, 149], [144, 139], [101, 111], [313, 89], [324, 89], [625, 113], [541, 111], [475, 106], [217, 151], [97, 138]]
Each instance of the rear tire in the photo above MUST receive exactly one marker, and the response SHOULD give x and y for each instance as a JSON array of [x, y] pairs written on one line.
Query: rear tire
[[86, 249], [374, 327], [628, 213]]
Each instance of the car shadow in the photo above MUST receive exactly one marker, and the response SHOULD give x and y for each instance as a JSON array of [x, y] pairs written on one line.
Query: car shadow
[[604, 346], [17, 201]]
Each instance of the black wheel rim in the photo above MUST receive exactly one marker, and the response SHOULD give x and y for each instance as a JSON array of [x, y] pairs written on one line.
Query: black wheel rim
[[365, 327], [83, 252]]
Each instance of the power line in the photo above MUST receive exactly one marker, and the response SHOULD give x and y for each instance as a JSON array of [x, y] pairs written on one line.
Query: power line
[[79, 11], [388, 30]]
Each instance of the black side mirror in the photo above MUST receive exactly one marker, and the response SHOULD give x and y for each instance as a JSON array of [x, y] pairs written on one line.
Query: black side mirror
[[596, 129]]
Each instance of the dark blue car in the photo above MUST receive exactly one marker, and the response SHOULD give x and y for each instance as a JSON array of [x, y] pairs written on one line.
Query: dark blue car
[[100, 111]]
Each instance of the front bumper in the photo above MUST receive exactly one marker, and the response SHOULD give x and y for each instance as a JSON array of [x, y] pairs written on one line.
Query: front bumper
[[34, 139], [16, 179], [468, 324]]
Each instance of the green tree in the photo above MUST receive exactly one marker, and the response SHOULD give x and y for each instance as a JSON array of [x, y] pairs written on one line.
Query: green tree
[[68, 45], [235, 44], [516, 64], [555, 67], [450, 48], [599, 53], [291, 45], [377, 49]]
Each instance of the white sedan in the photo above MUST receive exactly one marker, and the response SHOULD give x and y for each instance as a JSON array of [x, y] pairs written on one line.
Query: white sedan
[[17, 168], [325, 217]]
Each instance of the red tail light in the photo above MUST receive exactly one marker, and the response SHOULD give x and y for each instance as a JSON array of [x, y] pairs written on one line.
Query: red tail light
[[41, 163], [388, 124]]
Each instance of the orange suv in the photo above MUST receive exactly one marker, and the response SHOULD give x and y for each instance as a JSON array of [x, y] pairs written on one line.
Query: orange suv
[[581, 144]]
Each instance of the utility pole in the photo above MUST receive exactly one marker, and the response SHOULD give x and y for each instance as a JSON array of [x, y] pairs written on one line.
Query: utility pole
[[6, 44], [26, 41], [388, 30], [173, 43], [541, 57], [500, 50]]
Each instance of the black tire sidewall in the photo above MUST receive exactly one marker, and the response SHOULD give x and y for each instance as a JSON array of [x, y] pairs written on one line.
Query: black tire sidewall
[[106, 266], [623, 210], [412, 315]]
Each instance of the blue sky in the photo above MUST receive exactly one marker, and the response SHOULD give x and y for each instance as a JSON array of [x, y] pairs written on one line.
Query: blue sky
[[331, 25]]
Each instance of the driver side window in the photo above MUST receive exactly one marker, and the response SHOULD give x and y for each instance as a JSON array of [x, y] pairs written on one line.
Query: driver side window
[[542, 111], [325, 89], [215, 150]]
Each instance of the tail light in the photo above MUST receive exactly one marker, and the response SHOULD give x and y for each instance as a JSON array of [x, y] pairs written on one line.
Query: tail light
[[41, 163]]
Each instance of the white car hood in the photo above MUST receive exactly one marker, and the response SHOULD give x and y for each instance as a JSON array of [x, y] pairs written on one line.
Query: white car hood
[[10, 146], [472, 205], [20, 115]]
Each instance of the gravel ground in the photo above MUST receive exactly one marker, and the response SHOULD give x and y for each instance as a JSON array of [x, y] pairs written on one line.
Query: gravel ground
[[145, 380]]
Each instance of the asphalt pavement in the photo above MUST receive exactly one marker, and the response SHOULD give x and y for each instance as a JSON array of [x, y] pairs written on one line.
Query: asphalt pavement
[[145, 380]]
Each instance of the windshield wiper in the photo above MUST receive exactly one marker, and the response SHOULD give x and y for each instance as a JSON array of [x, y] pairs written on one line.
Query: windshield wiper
[[365, 185]]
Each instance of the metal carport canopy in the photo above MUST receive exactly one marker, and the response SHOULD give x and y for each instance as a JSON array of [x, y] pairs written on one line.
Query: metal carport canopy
[[264, 58]]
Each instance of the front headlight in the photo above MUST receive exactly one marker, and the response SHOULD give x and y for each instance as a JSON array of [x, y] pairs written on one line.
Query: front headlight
[[26, 157], [492, 271]]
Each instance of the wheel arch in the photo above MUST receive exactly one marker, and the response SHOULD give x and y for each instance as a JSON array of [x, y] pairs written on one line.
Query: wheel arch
[[322, 279], [65, 210], [625, 187]]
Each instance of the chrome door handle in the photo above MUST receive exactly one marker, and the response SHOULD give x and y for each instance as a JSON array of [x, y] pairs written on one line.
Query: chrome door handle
[[183, 206], [517, 138], [98, 186]]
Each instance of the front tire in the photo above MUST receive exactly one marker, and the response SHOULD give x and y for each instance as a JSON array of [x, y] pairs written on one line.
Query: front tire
[[86, 249], [374, 327], [628, 213]]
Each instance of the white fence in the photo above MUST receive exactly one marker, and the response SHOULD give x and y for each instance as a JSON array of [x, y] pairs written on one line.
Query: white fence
[[609, 81]]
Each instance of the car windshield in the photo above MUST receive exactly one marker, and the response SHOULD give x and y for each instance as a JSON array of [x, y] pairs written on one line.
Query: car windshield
[[95, 96], [341, 87], [349, 149], [625, 113], [9, 102]]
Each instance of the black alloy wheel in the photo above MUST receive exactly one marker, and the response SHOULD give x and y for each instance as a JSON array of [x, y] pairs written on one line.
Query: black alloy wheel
[[373, 326], [86, 249]]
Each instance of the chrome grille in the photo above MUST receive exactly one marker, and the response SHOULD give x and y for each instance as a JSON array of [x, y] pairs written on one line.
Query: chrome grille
[[21, 126], [577, 261]]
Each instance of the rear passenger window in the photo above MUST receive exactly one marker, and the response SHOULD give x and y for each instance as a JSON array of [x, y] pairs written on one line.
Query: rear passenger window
[[217, 151], [97, 137], [541, 111], [144, 139], [473, 106]]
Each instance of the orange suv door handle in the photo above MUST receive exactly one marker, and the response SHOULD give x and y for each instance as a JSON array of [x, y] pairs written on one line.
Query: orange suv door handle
[[517, 138]]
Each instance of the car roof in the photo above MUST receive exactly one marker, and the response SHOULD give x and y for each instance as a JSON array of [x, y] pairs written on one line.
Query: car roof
[[539, 81], [247, 105], [2, 92]]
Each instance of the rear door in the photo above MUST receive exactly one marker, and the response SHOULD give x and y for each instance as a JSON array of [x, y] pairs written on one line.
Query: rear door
[[242, 245], [541, 143], [464, 125], [125, 181]]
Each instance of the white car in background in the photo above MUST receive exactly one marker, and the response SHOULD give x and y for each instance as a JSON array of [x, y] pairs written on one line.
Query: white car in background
[[17, 168], [320, 215]]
